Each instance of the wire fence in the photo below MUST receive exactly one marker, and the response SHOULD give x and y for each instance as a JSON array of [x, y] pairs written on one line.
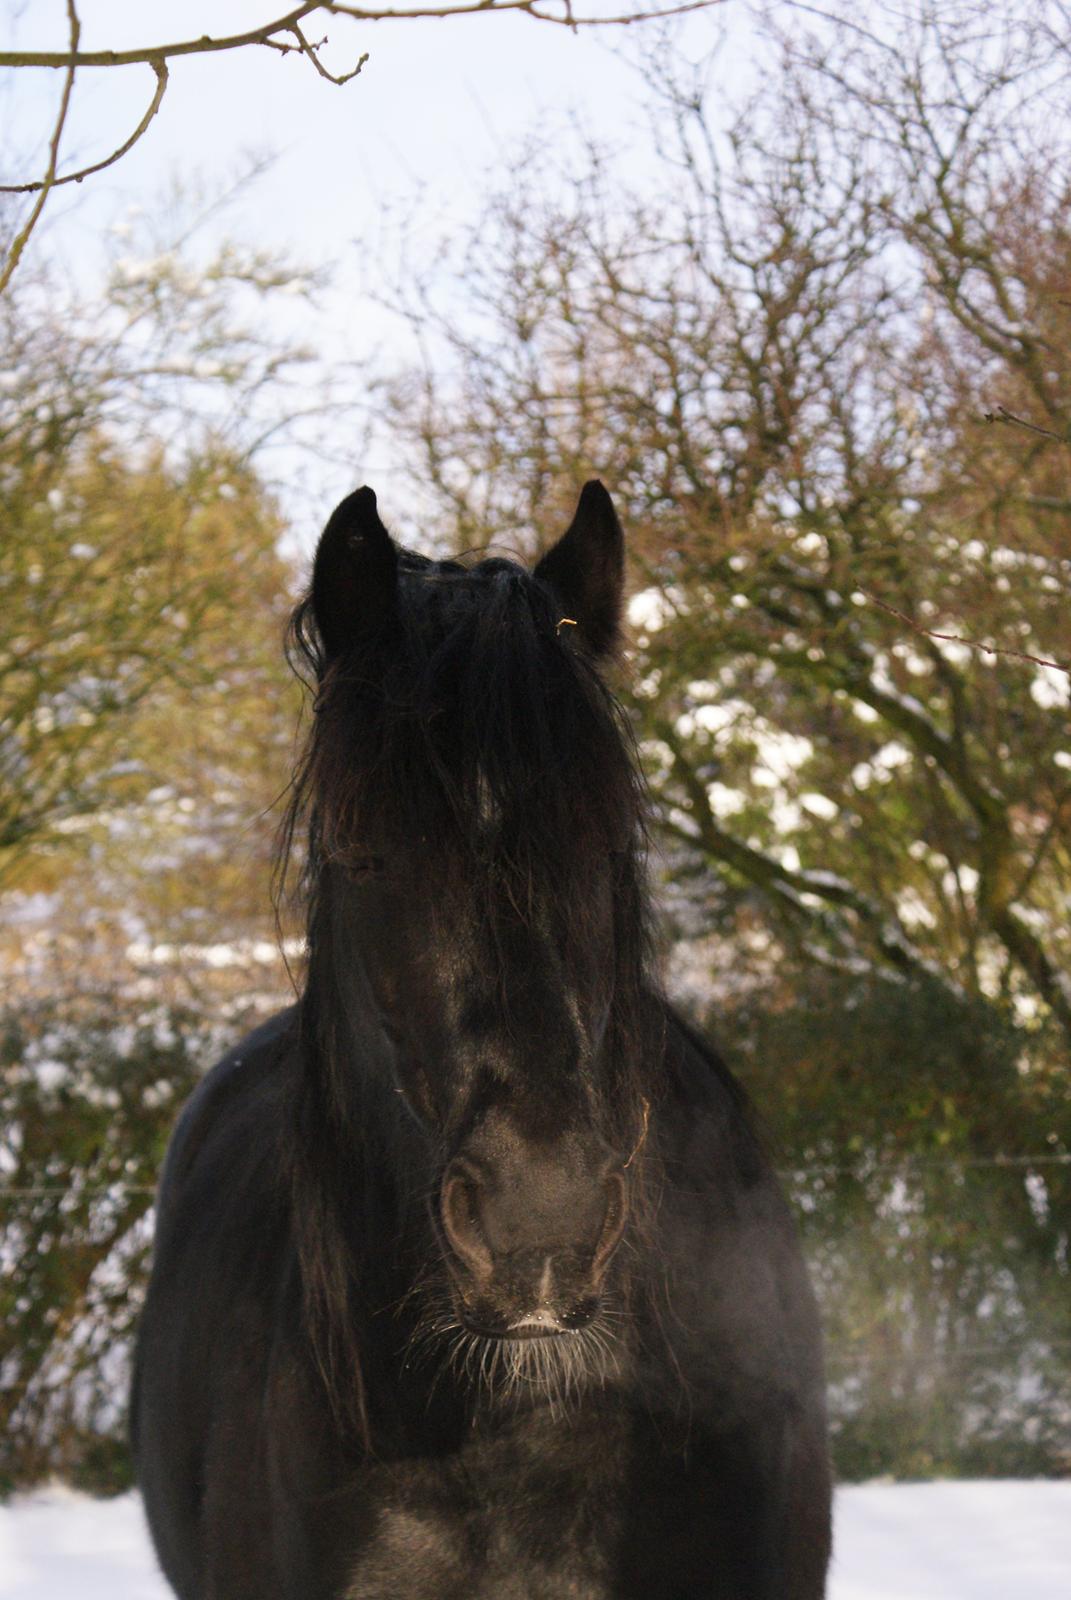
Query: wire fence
[[861, 1170]]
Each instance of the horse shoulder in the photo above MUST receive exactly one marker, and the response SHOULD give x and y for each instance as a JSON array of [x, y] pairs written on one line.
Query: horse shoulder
[[729, 1238], [236, 1098]]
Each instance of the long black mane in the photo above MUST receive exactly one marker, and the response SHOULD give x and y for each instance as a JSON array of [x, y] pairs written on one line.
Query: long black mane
[[475, 734]]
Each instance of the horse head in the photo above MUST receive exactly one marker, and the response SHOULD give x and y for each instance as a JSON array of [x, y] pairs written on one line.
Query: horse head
[[478, 900]]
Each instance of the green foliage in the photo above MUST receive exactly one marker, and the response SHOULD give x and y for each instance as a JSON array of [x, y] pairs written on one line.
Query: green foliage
[[131, 521], [146, 722], [90, 1088], [927, 1146], [106, 602]]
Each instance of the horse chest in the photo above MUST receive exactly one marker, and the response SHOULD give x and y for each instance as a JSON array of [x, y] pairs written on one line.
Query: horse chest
[[483, 1558], [507, 1519]]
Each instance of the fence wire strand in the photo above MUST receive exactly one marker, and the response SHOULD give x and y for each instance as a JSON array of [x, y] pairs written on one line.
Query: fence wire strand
[[862, 1171]]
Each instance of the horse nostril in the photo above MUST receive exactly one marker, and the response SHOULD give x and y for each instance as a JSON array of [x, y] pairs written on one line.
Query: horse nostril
[[614, 1221], [459, 1205]]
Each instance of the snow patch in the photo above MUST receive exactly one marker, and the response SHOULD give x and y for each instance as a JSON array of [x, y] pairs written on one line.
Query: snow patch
[[905, 1541], [651, 609], [1050, 688]]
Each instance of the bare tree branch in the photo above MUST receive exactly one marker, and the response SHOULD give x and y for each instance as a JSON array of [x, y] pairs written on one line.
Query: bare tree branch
[[267, 33], [881, 928], [959, 638], [285, 35], [1002, 414], [149, 54], [22, 237], [160, 68], [312, 51]]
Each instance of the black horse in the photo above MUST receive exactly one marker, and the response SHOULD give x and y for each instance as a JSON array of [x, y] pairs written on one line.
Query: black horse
[[472, 1280]]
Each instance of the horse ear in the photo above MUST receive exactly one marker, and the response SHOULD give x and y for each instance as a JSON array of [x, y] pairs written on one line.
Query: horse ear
[[586, 570], [354, 575]]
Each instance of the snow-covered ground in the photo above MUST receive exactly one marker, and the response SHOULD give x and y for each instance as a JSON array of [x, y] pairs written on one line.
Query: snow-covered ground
[[926, 1541]]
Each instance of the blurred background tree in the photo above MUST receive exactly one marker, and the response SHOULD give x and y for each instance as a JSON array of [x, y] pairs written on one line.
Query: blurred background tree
[[146, 723], [132, 521], [825, 374], [784, 367]]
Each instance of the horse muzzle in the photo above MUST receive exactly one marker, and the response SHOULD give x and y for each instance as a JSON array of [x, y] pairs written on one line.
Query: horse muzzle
[[528, 1249]]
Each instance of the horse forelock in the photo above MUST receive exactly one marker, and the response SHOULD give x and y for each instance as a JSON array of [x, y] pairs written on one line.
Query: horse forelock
[[474, 739]]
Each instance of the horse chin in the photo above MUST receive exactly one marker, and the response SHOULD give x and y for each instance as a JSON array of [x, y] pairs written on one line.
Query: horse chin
[[525, 1366], [486, 1321], [517, 1332]]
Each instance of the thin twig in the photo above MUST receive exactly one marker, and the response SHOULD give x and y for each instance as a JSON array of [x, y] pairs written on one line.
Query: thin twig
[[313, 53], [23, 236], [1002, 414], [160, 68], [958, 638], [528, 8]]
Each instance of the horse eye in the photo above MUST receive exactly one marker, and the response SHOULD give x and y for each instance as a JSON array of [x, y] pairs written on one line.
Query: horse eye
[[364, 866]]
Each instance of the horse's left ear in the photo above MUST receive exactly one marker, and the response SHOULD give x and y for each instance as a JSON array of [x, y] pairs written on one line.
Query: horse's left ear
[[586, 570], [354, 575]]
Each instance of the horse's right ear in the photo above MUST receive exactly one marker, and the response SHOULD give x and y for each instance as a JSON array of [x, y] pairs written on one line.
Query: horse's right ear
[[354, 575]]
